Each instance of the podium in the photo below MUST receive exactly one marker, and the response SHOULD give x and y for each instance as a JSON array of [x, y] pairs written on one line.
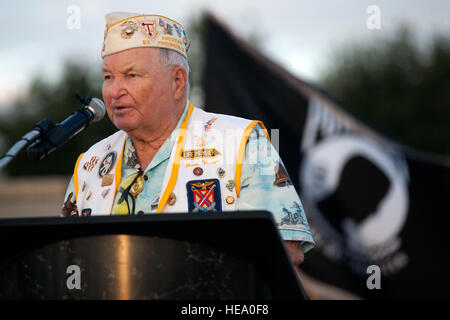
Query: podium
[[229, 256]]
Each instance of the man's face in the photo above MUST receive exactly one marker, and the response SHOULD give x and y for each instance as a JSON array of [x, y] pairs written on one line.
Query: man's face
[[137, 89]]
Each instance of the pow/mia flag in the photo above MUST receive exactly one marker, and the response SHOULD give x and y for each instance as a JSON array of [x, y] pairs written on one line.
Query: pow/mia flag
[[369, 201]]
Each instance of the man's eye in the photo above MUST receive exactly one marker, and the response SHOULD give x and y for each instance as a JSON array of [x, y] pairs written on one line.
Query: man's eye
[[106, 78], [132, 75]]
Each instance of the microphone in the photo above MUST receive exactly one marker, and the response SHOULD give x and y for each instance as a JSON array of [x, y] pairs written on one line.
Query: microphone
[[54, 136]]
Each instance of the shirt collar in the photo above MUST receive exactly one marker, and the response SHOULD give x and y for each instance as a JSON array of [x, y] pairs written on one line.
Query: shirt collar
[[130, 158]]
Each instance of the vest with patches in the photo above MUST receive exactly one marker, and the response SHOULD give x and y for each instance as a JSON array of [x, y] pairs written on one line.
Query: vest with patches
[[212, 144]]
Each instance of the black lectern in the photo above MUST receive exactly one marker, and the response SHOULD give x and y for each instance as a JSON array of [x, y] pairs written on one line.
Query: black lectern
[[167, 256]]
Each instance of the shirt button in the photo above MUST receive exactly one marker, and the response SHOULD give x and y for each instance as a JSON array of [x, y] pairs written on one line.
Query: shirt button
[[145, 177], [140, 212]]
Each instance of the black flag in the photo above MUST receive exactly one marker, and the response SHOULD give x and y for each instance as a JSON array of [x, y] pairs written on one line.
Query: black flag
[[378, 210]]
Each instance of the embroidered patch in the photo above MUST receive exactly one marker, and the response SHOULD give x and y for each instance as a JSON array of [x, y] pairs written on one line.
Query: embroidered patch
[[200, 153], [89, 165], [107, 164], [107, 180], [148, 28], [168, 30], [204, 195], [69, 208], [86, 212], [178, 29], [209, 123]]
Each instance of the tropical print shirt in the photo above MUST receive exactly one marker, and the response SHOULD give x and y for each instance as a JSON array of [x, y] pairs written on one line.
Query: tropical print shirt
[[265, 185]]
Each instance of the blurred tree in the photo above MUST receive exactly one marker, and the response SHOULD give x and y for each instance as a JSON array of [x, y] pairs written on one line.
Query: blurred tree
[[195, 29], [397, 89]]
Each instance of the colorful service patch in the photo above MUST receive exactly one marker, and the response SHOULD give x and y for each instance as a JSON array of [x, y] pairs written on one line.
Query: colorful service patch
[[204, 195], [88, 166], [86, 212], [107, 164]]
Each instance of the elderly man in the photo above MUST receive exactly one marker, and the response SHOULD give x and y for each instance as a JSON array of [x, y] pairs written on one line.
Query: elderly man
[[169, 156]]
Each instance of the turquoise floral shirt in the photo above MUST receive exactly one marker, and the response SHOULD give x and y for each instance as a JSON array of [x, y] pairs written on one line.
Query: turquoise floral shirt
[[265, 185]]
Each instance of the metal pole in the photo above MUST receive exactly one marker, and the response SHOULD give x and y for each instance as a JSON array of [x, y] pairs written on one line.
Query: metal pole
[[19, 145]]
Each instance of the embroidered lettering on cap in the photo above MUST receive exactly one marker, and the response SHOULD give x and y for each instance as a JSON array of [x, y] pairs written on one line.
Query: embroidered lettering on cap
[[122, 33]]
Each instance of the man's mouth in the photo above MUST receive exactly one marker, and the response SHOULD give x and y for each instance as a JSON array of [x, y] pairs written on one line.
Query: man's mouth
[[120, 108]]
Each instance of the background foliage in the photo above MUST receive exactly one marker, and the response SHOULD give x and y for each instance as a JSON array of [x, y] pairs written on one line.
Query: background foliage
[[397, 88]]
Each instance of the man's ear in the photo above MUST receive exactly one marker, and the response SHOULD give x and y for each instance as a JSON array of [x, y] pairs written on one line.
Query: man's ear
[[180, 82]]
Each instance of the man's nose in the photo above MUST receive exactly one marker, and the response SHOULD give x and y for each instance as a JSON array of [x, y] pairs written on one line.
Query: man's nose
[[117, 88]]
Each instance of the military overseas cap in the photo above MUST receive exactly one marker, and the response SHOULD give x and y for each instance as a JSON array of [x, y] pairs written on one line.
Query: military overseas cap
[[132, 30]]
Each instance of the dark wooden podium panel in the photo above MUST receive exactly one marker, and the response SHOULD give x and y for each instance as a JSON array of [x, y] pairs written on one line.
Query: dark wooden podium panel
[[169, 256]]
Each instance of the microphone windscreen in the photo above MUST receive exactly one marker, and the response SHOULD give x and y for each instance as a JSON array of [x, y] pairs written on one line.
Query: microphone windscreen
[[97, 107]]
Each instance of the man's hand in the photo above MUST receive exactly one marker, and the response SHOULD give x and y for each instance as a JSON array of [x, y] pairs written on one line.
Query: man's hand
[[295, 252]]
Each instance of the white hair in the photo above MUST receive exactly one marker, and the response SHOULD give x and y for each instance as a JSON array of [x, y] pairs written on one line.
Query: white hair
[[172, 57]]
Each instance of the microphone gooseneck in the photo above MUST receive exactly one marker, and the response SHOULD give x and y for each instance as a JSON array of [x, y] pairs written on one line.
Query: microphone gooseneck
[[54, 136]]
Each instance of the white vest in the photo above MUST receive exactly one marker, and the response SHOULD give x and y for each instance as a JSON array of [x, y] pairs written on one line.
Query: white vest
[[215, 143]]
